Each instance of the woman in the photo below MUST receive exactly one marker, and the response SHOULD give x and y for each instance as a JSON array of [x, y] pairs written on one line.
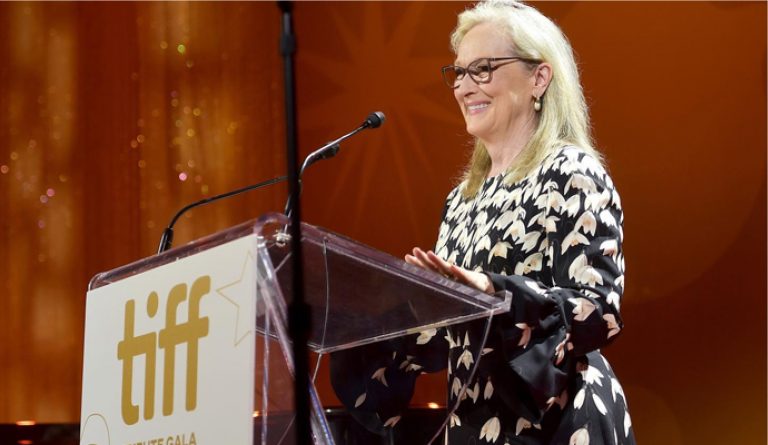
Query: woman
[[536, 214]]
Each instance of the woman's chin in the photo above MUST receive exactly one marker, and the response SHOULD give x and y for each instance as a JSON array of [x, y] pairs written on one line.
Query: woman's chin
[[477, 131]]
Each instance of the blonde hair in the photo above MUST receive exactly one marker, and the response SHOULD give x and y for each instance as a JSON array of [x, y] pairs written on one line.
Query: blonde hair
[[564, 116]]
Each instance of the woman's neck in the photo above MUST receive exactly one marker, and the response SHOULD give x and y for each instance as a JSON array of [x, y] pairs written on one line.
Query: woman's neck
[[504, 150]]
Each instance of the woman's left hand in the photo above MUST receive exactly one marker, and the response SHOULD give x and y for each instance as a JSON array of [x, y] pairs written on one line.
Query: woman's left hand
[[429, 260]]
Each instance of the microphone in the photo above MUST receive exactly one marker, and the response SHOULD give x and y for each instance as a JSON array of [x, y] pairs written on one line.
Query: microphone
[[329, 150], [167, 238], [375, 119]]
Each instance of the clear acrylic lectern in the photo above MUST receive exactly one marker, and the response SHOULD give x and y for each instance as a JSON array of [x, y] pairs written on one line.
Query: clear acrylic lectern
[[357, 295]]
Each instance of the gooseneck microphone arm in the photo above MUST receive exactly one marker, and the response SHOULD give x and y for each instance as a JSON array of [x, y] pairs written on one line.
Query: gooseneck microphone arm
[[167, 238], [329, 150]]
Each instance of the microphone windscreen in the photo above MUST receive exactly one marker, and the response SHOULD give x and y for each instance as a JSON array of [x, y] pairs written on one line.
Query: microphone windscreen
[[375, 119]]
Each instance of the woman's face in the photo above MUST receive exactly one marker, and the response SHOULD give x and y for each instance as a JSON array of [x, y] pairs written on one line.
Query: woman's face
[[493, 111]]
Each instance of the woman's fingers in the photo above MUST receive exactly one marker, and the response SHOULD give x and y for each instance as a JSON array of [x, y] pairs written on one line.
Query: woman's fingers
[[463, 275], [419, 258], [429, 260], [426, 260], [477, 280], [410, 259], [443, 266]]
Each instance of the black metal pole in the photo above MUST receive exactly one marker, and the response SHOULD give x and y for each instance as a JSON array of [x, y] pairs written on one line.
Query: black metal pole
[[298, 311]]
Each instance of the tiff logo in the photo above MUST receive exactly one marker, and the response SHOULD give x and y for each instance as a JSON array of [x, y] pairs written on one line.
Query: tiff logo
[[173, 334]]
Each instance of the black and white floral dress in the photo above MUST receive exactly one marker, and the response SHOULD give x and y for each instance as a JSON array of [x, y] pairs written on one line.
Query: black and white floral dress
[[554, 240]]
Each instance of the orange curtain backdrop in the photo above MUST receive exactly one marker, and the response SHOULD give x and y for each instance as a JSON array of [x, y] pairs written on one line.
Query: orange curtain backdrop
[[115, 115], [98, 101]]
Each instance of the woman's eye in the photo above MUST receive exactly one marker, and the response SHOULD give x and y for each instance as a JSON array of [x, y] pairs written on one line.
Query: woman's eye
[[479, 70]]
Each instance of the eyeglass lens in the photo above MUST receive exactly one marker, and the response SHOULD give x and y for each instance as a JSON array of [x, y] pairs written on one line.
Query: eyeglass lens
[[479, 71]]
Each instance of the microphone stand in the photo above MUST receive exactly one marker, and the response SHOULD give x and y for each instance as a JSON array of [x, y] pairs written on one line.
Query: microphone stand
[[167, 238], [298, 311]]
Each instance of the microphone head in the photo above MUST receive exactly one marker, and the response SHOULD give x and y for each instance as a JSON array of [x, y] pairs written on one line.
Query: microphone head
[[375, 119]]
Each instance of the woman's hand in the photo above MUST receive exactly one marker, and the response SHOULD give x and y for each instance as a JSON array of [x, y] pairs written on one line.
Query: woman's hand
[[429, 260]]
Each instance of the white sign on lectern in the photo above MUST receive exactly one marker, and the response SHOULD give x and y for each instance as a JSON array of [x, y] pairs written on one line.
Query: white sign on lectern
[[169, 353]]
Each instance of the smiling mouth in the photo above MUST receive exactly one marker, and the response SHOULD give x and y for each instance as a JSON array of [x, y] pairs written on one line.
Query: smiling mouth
[[472, 109]]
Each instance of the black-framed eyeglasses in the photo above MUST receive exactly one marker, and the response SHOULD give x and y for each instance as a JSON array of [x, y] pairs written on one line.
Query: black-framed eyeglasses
[[480, 70]]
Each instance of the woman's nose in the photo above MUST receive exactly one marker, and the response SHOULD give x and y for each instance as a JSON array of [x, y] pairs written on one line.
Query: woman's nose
[[464, 86]]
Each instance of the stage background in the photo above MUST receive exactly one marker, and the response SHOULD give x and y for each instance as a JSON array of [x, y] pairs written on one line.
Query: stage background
[[114, 115]]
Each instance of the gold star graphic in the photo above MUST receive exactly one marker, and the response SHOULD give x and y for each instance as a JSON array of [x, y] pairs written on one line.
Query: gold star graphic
[[240, 294]]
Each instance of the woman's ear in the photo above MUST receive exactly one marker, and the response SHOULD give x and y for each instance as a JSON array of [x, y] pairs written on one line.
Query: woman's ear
[[542, 75]]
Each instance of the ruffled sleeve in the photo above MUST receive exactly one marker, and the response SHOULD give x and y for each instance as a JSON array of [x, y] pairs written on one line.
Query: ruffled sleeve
[[571, 307], [375, 382]]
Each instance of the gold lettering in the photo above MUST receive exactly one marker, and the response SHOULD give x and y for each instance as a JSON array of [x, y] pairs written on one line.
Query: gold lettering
[[133, 346], [171, 335], [174, 439], [177, 295], [190, 332], [199, 330]]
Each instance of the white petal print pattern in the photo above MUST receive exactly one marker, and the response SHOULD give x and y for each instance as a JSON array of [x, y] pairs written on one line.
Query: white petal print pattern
[[379, 375], [599, 404], [579, 437], [592, 375], [627, 424], [578, 401], [580, 182], [582, 272], [491, 430], [573, 239], [613, 327], [616, 389], [521, 425], [488, 393], [392, 421], [455, 420], [456, 387], [474, 392], [531, 263], [586, 223], [526, 336], [582, 308], [426, 336], [465, 359], [500, 249], [554, 240]]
